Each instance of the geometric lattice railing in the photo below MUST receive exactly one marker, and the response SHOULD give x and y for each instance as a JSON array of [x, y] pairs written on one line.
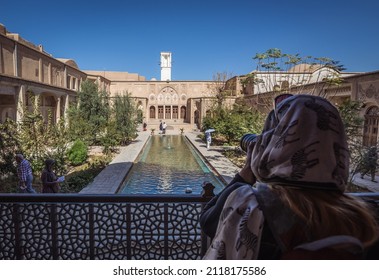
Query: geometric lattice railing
[[65, 226], [105, 227]]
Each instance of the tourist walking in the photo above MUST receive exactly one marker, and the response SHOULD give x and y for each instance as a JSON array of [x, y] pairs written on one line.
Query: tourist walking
[[25, 174], [370, 163], [209, 139], [160, 127], [50, 181], [299, 168], [164, 127]]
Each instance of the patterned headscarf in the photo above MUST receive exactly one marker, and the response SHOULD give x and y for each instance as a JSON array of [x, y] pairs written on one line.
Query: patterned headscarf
[[307, 148]]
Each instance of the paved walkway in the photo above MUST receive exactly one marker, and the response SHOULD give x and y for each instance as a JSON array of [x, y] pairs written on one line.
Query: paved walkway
[[111, 177], [366, 182], [222, 165]]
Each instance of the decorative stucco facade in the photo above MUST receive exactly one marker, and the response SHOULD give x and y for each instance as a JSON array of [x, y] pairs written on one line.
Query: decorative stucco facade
[[178, 103]]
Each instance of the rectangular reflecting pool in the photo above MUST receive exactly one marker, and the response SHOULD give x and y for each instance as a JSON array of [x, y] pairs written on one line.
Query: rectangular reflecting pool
[[169, 165]]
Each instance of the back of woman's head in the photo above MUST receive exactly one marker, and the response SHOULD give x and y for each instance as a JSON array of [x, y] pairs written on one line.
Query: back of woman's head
[[305, 154], [306, 148]]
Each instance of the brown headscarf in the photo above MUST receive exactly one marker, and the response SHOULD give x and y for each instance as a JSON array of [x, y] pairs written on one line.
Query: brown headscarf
[[307, 148]]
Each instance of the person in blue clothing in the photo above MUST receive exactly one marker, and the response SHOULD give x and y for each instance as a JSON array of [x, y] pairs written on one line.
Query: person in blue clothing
[[25, 174]]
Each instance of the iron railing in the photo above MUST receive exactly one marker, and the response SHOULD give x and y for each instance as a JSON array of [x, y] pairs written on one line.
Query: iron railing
[[71, 226], [68, 226]]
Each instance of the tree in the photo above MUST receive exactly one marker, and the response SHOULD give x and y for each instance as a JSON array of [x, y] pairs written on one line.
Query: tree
[[217, 88], [33, 134], [59, 144], [124, 118], [9, 146], [349, 111], [36, 138], [277, 72], [234, 123], [89, 118], [280, 67]]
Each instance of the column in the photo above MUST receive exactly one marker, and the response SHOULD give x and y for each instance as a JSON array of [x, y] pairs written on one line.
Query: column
[[65, 110], [49, 74], [191, 112], [40, 71], [15, 60], [20, 100], [1, 64], [38, 103], [58, 108], [147, 110], [65, 77]]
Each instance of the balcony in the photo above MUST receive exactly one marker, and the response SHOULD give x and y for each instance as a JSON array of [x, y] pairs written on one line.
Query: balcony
[[105, 227], [94, 227]]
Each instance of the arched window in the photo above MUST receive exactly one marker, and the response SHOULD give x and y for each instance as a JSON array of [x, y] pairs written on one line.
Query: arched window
[[370, 131], [152, 112], [175, 114], [183, 112]]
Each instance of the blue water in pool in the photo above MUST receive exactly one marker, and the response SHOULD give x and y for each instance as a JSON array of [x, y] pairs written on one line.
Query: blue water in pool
[[169, 165]]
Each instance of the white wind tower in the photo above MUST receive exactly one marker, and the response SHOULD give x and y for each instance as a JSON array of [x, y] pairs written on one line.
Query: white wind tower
[[165, 66]]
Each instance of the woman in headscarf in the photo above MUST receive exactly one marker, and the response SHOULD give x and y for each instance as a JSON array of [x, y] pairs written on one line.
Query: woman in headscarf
[[49, 179], [302, 166]]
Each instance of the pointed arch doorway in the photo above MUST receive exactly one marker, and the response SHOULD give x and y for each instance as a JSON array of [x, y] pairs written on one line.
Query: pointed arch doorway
[[370, 130]]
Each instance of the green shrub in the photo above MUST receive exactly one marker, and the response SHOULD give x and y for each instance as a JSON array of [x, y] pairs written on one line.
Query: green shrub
[[78, 153], [76, 182]]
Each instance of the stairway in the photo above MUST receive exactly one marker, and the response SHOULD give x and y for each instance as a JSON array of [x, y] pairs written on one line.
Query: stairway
[[173, 126]]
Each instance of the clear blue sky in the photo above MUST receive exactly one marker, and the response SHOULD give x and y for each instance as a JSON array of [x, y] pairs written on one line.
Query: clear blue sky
[[204, 36]]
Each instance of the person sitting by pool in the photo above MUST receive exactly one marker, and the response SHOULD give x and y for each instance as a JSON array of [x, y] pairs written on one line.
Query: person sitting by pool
[[301, 166]]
